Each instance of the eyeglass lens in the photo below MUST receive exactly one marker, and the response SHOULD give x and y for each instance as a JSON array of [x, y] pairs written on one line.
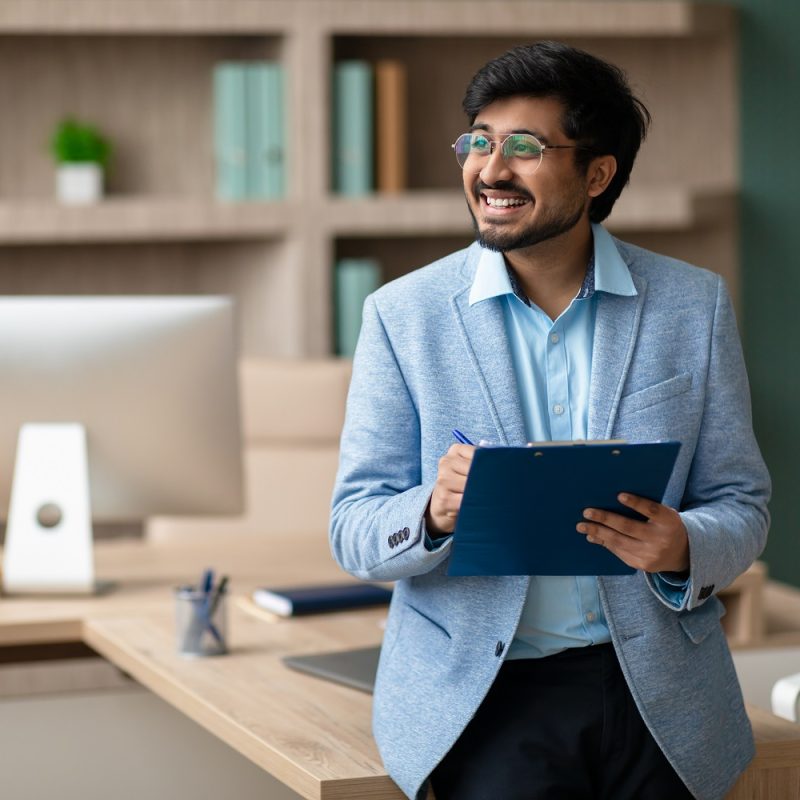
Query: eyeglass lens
[[473, 149]]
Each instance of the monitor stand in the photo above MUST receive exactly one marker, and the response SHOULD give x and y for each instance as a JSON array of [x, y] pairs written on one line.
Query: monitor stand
[[48, 548]]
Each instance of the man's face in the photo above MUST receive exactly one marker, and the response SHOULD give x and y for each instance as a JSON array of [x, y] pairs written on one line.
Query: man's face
[[542, 206]]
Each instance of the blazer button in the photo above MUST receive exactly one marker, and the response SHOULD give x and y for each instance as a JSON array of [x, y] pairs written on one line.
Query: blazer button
[[406, 533], [498, 650], [391, 541]]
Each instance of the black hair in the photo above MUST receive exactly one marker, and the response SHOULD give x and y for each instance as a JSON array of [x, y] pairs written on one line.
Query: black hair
[[600, 111]]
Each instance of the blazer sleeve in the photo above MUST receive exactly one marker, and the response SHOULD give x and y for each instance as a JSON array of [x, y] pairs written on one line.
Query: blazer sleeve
[[377, 527], [724, 505]]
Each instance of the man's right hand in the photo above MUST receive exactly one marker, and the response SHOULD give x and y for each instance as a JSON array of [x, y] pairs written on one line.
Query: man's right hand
[[445, 502]]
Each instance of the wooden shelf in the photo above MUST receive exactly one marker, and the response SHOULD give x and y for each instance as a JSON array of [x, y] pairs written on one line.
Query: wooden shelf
[[670, 208], [435, 212], [277, 258], [140, 219], [433, 17]]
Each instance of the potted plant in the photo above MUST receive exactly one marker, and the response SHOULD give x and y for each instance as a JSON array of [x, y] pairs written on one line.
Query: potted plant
[[81, 154]]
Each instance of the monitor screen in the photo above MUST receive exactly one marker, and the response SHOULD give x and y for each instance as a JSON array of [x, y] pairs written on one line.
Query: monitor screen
[[153, 380]]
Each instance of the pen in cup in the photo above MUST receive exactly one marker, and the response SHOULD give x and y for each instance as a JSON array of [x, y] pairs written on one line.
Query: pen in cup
[[200, 614]]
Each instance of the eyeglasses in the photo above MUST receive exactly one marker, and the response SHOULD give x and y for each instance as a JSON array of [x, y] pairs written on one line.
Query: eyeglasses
[[523, 152]]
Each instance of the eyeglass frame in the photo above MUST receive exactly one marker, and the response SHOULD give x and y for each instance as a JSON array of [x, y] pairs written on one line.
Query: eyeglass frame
[[494, 143]]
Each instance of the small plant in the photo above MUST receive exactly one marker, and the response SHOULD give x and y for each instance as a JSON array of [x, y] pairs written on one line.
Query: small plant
[[75, 142]]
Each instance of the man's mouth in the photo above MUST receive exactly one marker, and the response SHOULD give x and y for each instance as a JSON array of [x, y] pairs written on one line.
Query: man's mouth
[[502, 201]]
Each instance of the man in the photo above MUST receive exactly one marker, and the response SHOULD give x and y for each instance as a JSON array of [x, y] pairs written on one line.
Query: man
[[546, 328]]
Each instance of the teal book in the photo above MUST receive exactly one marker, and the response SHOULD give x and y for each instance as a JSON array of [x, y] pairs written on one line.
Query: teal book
[[355, 279], [353, 157], [230, 135], [266, 138]]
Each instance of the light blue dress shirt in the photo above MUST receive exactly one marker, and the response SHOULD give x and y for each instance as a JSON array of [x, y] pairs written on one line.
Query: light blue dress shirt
[[553, 364]]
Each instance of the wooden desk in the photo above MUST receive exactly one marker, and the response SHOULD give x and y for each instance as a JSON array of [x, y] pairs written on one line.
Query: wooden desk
[[312, 735]]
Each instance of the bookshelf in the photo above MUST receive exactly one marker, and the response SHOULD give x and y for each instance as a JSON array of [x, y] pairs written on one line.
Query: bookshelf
[[143, 73]]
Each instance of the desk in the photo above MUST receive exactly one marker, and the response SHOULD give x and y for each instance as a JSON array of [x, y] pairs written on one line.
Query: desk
[[313, 736]]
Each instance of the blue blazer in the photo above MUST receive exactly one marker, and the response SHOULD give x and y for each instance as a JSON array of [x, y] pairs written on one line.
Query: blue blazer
[[666, 364]]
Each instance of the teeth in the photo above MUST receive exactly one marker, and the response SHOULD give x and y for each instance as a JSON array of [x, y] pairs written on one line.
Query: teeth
[[504, 202]]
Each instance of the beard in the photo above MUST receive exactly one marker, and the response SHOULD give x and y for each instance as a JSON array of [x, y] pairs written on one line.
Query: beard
[[555, 223]]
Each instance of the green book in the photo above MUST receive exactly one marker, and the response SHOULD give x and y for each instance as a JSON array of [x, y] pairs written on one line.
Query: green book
[[230, 136], [266, 140], [355, 279], [353, 128]]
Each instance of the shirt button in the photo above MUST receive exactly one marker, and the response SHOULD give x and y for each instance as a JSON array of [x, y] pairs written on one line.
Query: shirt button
[[590, 617], [554, 338], [558, 408]]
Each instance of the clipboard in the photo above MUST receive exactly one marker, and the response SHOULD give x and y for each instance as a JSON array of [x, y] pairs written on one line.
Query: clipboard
[[521, 505]]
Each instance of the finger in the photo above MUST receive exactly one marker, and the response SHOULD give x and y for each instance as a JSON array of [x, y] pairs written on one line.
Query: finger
[[465, 451], [623, 547], [454, 464], [624, 525], [647, 508]]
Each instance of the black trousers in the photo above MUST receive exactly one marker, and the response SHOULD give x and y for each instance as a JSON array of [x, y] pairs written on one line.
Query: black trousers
[[564, 727]]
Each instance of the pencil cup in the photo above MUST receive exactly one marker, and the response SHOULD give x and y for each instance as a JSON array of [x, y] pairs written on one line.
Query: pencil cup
[[200, 622]]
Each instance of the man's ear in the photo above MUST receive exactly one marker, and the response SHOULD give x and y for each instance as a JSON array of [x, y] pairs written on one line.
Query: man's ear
[[599, 174]]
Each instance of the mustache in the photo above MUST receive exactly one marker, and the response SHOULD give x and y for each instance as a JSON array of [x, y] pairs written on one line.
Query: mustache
[[500, 186]]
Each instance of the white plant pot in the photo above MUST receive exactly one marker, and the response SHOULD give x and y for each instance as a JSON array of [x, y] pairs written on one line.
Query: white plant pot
[[79, 184]]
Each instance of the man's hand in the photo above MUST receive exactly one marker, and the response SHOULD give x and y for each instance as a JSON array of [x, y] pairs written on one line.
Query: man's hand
[[442, 511], [659, 544]]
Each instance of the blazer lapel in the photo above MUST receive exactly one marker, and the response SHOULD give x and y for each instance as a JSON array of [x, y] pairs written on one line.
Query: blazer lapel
[[615, 331], [484, 333]]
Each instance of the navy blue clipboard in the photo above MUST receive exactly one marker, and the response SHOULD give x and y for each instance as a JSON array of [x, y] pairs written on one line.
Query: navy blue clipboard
[[521, 505]]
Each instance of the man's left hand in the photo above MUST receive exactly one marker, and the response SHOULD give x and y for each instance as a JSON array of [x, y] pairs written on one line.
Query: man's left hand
[[658, 544]]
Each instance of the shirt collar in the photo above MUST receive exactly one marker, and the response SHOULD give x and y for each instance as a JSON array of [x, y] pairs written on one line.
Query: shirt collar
[[606, 272]]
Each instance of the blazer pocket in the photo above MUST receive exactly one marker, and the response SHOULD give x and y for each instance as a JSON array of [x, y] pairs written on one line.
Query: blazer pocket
[[658, 393], [413, 618], [701, 621]]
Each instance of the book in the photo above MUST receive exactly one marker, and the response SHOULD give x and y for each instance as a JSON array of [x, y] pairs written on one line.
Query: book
[[391, 135], [265, 126], [521, 505], [297, 600], [230, 136], [354, 280], [353, 128]]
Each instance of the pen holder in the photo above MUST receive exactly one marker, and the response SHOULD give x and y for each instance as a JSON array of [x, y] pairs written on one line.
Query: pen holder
[[200, 622]]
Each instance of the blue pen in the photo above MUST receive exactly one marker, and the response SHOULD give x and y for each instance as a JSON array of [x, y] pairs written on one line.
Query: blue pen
[[460, 437], [205, 609]]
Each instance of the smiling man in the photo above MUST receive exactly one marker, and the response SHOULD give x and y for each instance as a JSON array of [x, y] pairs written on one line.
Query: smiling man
[[547, 328]]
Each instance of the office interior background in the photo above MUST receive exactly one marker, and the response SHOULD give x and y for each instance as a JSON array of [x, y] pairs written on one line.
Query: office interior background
[[277, 258], [719, 187]]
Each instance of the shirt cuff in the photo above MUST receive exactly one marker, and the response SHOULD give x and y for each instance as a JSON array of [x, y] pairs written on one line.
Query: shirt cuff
[[434, 544], [672, 586]]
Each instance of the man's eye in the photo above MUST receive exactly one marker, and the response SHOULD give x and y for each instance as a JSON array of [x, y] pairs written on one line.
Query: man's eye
[[480, 144], [522, 147]]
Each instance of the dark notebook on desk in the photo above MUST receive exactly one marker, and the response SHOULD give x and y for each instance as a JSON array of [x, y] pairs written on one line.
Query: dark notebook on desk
[[353, 668], [521, 505], [315, 599]]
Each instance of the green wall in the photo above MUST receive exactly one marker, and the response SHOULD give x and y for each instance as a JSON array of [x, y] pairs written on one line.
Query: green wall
[[770, 246]]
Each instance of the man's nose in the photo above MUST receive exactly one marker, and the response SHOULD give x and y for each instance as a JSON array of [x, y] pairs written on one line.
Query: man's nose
[[495, 167]]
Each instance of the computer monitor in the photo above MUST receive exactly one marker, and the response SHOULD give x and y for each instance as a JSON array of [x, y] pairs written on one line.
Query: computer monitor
[[153, 383]]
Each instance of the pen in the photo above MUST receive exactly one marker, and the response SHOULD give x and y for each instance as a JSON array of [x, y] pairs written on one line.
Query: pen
[[460, 437], [206, 582], [217, 596], [207, 606]]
